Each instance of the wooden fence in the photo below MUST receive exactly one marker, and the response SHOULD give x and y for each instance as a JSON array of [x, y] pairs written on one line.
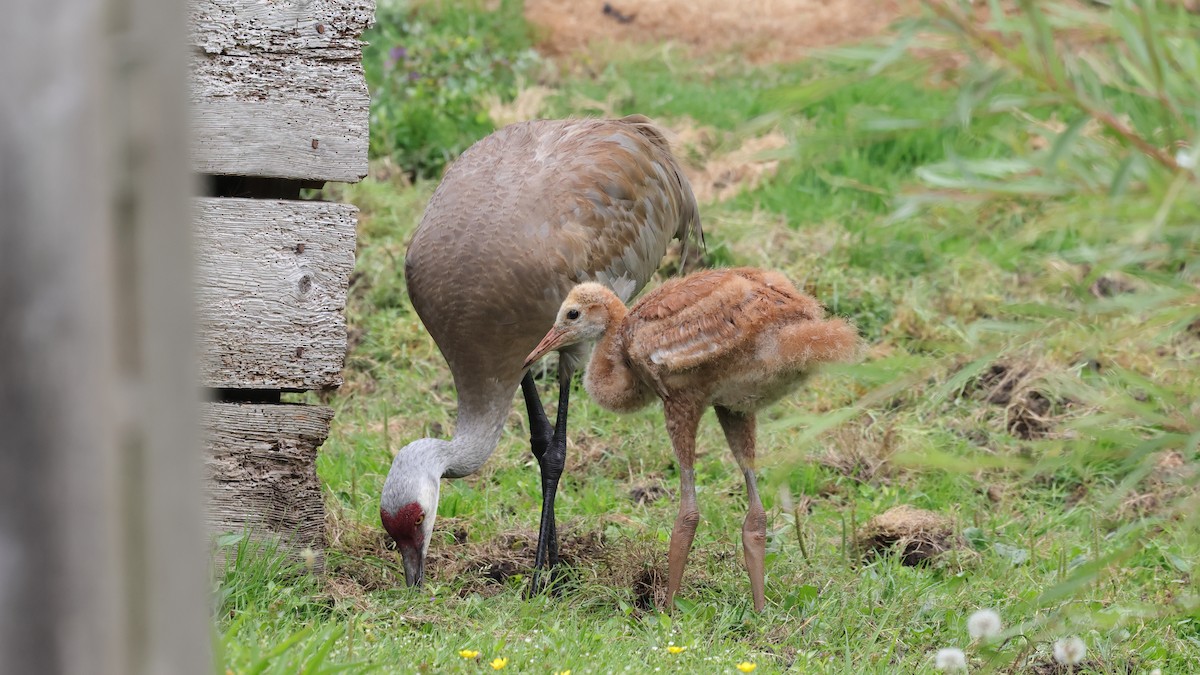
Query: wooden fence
[[279, 104]]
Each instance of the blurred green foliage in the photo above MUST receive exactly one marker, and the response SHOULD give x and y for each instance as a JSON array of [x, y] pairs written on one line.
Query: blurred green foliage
[[429, 67]]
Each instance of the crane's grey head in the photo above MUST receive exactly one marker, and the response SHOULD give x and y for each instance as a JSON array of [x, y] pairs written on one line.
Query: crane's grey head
[[583, 317], [409, 503]]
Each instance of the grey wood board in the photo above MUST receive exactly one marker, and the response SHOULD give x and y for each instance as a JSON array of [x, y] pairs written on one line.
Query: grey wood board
[[279, 115], [260, 462], [272, 282], [241, 27]]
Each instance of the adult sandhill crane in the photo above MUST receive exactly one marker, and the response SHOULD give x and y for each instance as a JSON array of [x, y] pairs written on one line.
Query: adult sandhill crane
[[521, 217], [734, 339]]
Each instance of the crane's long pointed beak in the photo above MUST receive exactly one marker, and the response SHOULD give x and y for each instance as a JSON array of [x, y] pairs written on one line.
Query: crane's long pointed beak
[[553, 340], [414, 565]]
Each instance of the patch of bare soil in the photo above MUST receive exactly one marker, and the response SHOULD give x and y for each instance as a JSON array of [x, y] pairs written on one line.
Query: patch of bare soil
[[648, 492], [1029, 411], [915, 534], [763, 31], [486, 566]]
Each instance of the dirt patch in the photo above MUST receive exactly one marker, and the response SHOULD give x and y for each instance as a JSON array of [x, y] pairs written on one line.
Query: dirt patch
[[1029, 410], [647, 493], [1109, 285], [763, 31], [915, 534], [486, 566]]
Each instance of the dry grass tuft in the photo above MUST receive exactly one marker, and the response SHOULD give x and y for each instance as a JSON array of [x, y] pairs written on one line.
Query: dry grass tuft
[[1030, 411], [361, 558], [641, 566], [484, 567], [528, 104], [860, 452], [917, 534], [720, 165]]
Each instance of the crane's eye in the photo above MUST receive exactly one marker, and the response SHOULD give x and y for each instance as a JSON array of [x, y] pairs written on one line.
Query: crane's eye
[[420, 519], [572, 314]]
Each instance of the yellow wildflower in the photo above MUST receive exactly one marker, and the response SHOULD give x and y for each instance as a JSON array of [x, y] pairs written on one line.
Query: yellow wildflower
[[499, 663], [747, 666], [675, 650], [468, 653], [565, 672]]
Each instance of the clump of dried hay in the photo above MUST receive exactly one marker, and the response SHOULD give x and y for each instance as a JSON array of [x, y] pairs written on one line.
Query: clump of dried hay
[[528, 104], [720, 165], [1018, 386], [917, 534], [860, 452]]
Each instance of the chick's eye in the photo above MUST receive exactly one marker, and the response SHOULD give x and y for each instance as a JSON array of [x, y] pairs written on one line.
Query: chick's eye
[[573, 314]]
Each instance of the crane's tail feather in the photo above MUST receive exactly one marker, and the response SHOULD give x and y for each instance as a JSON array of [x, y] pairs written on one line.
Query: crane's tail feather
[[807, 344], [690, 231]]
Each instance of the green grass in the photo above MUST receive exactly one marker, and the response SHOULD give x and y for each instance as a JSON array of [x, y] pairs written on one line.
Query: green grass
[[1071, 526]]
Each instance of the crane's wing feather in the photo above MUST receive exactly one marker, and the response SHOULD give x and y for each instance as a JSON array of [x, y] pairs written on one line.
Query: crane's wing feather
[[710, 315], [618, 200]]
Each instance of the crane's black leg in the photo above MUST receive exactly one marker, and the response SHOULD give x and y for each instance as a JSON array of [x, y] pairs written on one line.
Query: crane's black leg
[[550, 449]]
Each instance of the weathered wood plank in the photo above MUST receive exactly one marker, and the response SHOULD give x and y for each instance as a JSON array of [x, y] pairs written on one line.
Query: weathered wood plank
[[278, 88], [272, 282], [242, 27], [262, 476], [283, 116]]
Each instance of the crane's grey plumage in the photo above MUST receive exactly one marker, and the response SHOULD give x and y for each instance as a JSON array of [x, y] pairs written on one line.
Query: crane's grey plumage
[[519, 219]]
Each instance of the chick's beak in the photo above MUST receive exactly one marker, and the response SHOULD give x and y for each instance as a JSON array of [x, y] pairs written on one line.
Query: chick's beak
[[414, 564], [556, 338]]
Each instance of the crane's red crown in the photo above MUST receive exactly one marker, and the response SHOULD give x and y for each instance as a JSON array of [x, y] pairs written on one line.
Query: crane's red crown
[[405, 524]]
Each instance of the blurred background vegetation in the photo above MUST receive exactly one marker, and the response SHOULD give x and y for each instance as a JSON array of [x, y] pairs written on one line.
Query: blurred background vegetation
[[1002, 196]]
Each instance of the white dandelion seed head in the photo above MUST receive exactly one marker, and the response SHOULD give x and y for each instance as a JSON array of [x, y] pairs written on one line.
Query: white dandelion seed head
[[1156, 671], [951, 660], [984, 624], [1070, 650], [1186, 159]]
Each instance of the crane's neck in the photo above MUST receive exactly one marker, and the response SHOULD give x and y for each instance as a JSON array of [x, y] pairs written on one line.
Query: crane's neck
[[610, 343], [483, 409], [609, 380]]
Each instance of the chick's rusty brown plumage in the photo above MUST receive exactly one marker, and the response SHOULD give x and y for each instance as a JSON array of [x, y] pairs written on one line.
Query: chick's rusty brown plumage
[[734, 339]]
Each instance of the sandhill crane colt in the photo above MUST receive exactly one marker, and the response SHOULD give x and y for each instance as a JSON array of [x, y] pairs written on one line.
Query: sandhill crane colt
[[521, 217], [735, 339]]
